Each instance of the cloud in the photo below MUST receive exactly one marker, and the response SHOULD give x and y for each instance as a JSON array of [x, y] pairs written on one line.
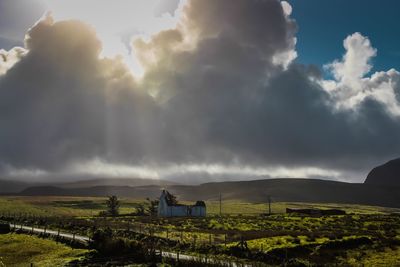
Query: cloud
[[351, 87], [356, 62], [9, 58], [221, 95], [60, 102], [226, 100]]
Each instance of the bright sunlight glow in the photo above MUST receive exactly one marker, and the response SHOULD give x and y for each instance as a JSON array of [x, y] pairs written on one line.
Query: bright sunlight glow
[[116, 23]]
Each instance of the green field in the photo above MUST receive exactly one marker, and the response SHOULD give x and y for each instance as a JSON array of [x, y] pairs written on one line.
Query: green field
[[22, 250], [239, 207], [365, 235], [61, 206], [91, 206]]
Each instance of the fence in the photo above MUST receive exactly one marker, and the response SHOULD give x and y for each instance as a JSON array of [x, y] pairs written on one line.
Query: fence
[[194, 237]]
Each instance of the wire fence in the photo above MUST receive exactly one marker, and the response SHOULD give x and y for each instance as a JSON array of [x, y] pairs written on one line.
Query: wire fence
[[86, 227]]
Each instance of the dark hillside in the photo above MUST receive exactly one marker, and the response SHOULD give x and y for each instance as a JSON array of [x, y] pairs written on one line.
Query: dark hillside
[[386, 174], [296, 190]]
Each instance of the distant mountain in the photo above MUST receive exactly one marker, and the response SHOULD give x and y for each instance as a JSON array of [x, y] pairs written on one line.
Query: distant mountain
[[386, 174], [139, 192], [9, 186], [45, 191], [294, 190]]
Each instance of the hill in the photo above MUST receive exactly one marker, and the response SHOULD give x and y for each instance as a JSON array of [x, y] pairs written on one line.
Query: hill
[[9, 186], [386, 174], [139, 192], [295, 190]]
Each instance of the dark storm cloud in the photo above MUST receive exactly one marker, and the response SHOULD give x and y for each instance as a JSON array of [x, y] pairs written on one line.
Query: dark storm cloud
[[206, 86], [61, 103], [228, 101], [217, 90]]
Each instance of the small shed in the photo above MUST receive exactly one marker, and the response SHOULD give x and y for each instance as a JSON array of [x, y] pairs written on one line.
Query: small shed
[[317, 212]]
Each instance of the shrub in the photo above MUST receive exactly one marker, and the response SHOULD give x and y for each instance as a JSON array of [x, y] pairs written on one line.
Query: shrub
[[113, 205], [140, 210], [4, 228], [311, 238], [296, 240], [106, 244]]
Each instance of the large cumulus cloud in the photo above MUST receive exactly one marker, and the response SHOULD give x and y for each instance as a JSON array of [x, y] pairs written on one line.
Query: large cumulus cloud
[[61, 103], [221, 89]]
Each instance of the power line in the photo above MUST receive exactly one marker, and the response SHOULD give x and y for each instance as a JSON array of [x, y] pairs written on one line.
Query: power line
[[269, 205]]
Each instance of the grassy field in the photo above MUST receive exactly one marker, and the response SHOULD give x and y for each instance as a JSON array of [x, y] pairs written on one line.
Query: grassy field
[[238, 207], [21, 250], [385, 257], [365, 235], [91, 206], [62, 206]]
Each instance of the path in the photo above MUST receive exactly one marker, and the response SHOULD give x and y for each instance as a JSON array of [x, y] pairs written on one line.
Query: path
[[85, 240], [79, 238]]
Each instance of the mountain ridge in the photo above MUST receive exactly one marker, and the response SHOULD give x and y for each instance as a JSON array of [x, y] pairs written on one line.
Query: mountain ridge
[[10, 186], [296, 190], [385, 174]]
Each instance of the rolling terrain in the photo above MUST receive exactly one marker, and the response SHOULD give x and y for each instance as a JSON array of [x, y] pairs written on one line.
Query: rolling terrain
[[292, 190], [381, 188], [9, 186]]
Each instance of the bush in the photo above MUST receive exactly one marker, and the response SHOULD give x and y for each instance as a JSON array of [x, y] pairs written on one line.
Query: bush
[[106, 244], [103, 213], [4, 228], [311, 238], [296, 240], [140, 210]]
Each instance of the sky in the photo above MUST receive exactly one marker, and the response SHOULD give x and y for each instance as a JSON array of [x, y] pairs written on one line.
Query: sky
[[198, 90], [323, 25]]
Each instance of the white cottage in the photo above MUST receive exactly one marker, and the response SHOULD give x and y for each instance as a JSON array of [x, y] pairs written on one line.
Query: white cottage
[[167, 209]]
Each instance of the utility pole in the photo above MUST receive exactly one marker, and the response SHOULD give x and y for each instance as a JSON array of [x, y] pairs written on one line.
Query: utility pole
[[220, 204], [269, 205]]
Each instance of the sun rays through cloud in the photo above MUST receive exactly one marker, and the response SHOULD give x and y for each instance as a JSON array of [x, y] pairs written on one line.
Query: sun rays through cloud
[[117, 24], [200, 87]]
